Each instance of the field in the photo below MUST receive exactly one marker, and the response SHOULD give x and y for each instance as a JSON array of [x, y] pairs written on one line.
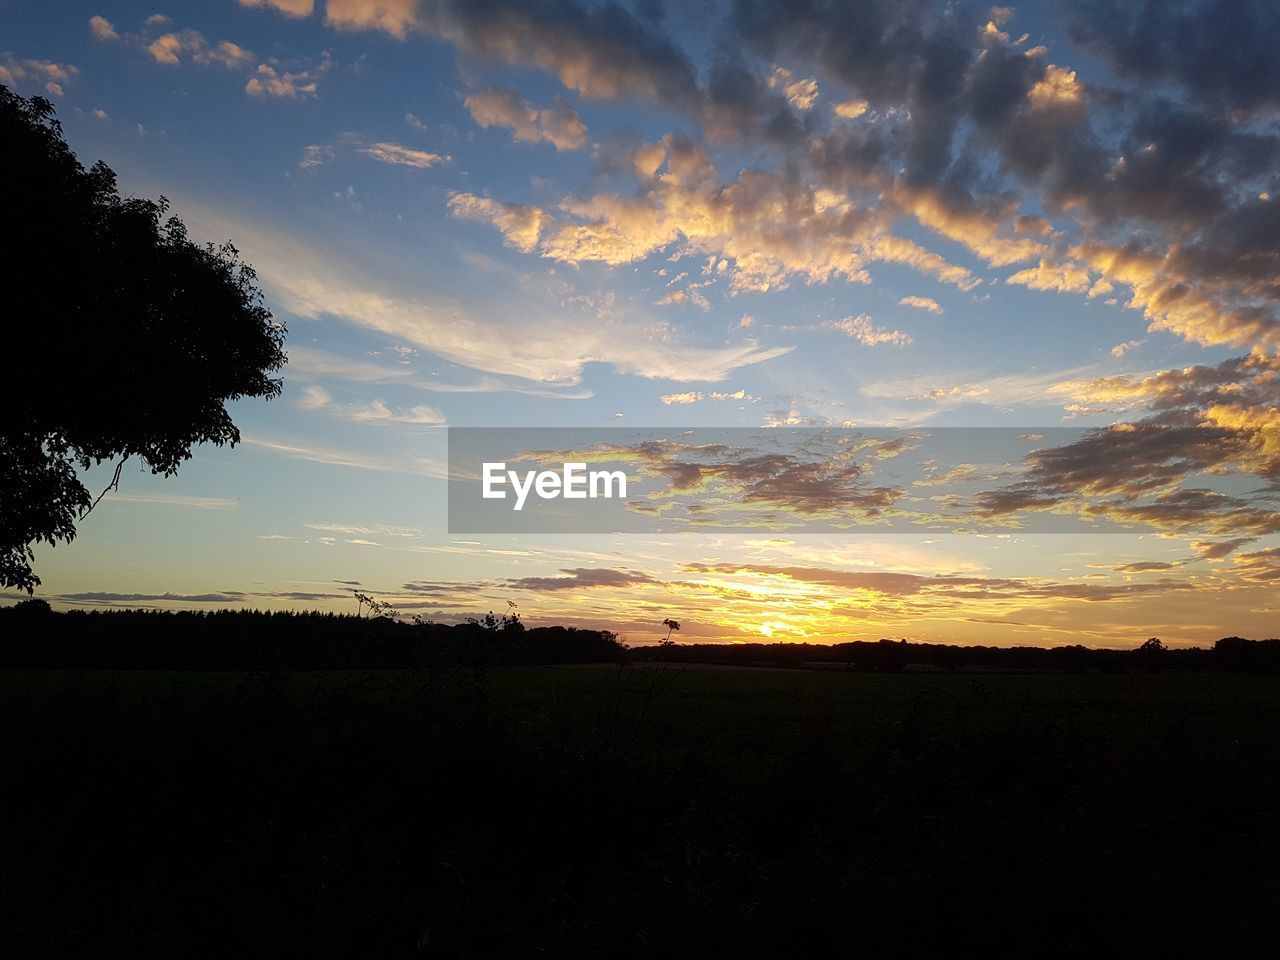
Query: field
[[637, 812]]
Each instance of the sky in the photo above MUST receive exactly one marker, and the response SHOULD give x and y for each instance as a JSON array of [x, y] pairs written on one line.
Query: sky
[[648, 218]]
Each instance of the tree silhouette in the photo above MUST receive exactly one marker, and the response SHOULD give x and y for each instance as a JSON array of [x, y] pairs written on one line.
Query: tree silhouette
[[1151, 653], [123, 338], [670, 625]]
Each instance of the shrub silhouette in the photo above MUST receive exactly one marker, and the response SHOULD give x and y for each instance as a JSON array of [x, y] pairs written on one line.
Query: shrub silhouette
[[129, 342]]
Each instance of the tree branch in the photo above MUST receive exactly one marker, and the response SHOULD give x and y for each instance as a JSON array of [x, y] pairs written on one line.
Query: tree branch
[[113, 485]]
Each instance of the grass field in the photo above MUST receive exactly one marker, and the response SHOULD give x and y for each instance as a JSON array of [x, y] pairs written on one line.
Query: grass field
[[592, 811]]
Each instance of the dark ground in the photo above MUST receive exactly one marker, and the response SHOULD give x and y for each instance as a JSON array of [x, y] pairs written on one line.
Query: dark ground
[[591, 812]]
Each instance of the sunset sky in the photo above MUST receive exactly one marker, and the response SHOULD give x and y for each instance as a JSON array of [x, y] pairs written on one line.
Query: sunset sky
[[760, 214]]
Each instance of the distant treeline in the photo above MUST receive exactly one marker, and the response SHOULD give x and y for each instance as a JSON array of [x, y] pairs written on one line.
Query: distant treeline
[[33, 636], [887, 656]]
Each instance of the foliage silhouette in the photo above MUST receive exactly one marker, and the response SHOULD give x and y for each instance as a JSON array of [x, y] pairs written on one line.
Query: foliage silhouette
[[125, 338], [509, 621]]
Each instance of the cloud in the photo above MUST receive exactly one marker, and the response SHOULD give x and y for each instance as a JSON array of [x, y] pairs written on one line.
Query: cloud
[[1207, 422], [768, 227], [697, 396], [364, 530], [1065, 278], [583, 578], [921, 303], [290, 8], [867, 333], [599, 52], [957, 474], [190, 46], [114, 598], [1248, 380], [399, 155], [1220, 549], [1139, 566], [1182, 177], [302, 450], [269, 82], [391, 16], [15, 71], [558, 124], [520, 225], [1184, 42], [851, 109], [1263, 566], [168, 48], [718, 484], [1056, 89], [308, 363], [395, 154], [174, 500], [175, 48], [801, 94], [1120, 349], [940, 588], [317, 399], [102, 29], [532, 336], [302, 595]]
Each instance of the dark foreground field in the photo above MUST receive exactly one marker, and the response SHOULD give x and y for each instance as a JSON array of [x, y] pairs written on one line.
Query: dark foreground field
[[583, 811]]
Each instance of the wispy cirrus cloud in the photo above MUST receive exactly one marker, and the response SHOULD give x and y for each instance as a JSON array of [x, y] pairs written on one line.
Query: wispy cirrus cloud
[[312, 364], [331, 456], [536, 337], [174, 500], [349, 144]]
